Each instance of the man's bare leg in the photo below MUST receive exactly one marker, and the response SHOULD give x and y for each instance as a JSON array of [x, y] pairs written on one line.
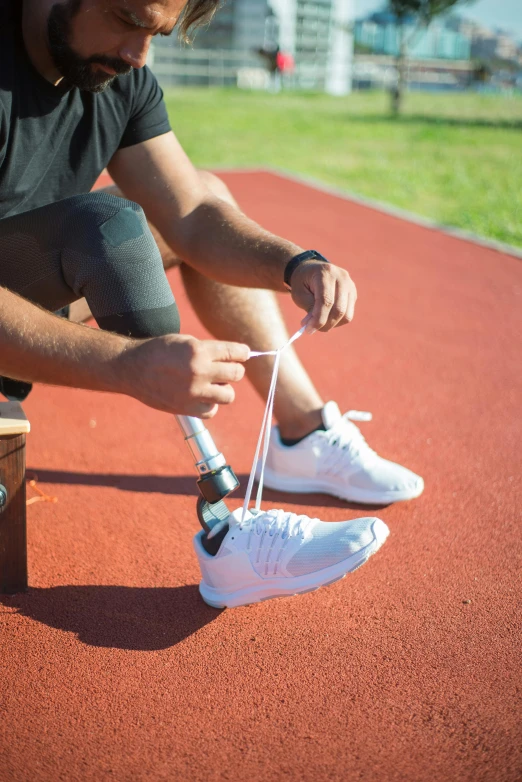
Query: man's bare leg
[[252, 316]]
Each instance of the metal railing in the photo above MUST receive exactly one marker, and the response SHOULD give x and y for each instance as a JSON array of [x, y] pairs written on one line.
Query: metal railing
[[177, 66], [245, 69], [209, 67]]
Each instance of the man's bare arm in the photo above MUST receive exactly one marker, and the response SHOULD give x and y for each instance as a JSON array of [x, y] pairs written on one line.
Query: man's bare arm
[[206, 232], [37, 346], [177, 374], [218, 240]]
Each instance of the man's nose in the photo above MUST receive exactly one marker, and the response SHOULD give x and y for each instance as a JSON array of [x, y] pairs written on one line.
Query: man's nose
[[135, 52]]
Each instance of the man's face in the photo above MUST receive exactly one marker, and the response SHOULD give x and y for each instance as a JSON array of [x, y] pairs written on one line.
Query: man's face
[[93, 41]]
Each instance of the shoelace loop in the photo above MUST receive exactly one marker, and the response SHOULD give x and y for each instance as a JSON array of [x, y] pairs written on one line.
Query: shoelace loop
[[358, 415], [279, 521], [349, 439]]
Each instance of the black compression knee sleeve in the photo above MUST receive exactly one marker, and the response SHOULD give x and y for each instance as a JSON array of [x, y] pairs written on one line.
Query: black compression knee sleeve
[[111, 258], [95, 245]]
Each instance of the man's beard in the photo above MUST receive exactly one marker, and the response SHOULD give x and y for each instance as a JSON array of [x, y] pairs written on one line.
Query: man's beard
[[78, 71]]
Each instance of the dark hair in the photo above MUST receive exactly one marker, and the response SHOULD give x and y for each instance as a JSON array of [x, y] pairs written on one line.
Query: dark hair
[[195, 14]]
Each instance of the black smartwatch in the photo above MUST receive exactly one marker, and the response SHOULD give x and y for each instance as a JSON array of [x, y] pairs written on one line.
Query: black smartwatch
[[308, 255]]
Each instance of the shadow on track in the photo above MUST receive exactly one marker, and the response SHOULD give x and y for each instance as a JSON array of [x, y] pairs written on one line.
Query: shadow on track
[[184, 485], [117, 617]]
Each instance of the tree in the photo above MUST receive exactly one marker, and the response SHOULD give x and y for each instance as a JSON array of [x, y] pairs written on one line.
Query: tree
[[422, 13]]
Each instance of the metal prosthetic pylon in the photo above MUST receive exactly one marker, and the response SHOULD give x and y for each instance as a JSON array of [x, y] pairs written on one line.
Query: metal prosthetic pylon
[[216, 480]]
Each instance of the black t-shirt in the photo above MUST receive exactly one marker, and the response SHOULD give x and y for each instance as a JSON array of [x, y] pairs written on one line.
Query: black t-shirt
[[54, 142]]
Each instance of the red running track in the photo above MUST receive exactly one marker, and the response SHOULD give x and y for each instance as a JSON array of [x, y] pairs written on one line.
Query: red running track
[[113, 668]]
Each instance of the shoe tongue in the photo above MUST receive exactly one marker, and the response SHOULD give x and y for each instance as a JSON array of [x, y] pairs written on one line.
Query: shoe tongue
[[331, 414]]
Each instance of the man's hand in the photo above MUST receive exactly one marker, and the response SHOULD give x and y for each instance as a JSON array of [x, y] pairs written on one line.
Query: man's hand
[[177, 374], [326, 292], [183, 375]]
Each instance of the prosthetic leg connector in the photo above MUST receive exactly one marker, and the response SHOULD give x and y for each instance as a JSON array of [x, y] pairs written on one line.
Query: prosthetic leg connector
[[217, 480]]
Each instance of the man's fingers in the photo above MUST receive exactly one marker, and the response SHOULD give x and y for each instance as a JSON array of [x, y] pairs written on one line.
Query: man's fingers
[[335, 308], [220, 394], [337, 313], [205, 410], [229, 351], [227, 372], [324, 293], [352, 298], [327, 293], [207, 404]]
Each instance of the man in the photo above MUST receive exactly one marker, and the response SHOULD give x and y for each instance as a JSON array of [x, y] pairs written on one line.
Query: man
[[74, 99]]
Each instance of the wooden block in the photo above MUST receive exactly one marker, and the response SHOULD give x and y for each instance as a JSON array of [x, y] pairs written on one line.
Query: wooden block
[[13, 519], [12, 419]]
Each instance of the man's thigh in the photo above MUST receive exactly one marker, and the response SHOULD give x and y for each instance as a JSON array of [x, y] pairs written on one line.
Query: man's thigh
[[31, 245]]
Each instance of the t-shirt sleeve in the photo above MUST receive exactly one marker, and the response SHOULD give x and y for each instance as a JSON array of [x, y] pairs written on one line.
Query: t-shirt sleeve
[[148, 117]]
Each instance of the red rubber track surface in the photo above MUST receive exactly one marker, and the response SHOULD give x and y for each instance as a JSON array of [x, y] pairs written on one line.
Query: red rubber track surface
[[112, 668]]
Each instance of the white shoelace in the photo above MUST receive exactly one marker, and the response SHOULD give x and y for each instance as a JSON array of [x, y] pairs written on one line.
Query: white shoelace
[[280, 525], [349, 442], [264, 434], [348, 436]]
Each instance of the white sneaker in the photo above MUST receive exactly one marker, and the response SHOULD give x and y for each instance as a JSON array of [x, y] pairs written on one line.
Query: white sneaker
[[277, 554], [338, 461]]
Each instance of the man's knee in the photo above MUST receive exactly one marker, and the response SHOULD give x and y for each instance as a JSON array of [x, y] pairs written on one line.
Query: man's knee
[[168, 256], [105, 235], [111, 258], [103, 221]]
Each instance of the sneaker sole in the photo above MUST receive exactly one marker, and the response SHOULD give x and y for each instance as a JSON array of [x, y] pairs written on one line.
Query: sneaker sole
[[364, 497], [270, 589]]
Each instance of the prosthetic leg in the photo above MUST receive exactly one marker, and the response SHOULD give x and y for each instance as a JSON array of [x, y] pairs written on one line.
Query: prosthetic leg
[[217, 480]]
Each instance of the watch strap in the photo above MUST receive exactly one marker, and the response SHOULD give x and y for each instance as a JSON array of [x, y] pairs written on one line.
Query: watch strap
[[307, 255]]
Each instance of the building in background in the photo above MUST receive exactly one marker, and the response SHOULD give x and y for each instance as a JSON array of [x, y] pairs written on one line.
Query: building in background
[[452, 53], [316, 33], [486, 44], [495, 46], [379, 34]]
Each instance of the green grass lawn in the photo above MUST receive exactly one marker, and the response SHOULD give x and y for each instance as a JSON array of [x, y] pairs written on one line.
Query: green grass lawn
[[454, 158]]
